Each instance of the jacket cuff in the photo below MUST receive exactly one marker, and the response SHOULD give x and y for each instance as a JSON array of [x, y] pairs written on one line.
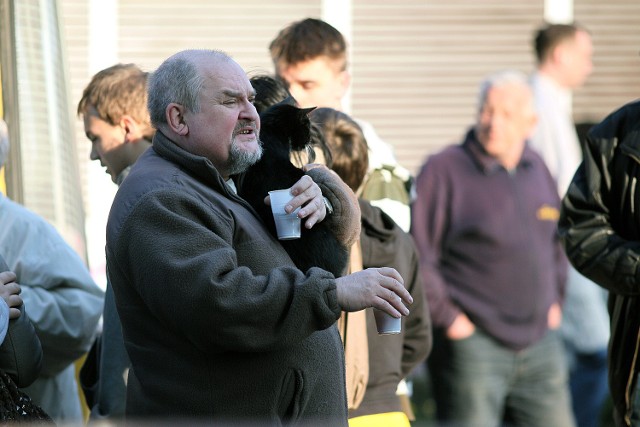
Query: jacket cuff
[[345, 219]]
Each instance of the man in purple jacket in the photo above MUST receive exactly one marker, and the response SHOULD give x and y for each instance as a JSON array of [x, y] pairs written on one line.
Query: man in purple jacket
[[485, 224]]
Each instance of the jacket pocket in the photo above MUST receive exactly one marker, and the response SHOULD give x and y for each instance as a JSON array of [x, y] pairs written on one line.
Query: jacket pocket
[[290, 396]]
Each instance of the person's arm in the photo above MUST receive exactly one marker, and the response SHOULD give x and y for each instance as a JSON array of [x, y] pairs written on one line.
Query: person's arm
[[554, 314], [63, 301], [21, 355], [10, 292], [190, 279], [592, 243], [546, 140], [4, 319], [345, 218], [429, 221], [20, 349], [417, 335]]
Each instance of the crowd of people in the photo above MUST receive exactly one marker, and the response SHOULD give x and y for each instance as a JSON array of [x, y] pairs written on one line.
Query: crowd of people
[[498, 257]]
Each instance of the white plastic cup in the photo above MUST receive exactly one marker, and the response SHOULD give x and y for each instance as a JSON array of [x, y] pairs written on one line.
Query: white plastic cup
[[386, 323], [287, 225]]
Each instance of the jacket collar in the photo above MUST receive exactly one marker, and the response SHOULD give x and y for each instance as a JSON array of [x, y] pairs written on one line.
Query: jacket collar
[[196, 165], [486, 163]]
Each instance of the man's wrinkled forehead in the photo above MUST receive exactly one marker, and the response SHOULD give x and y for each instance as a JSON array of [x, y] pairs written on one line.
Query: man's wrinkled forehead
[[227, 77]]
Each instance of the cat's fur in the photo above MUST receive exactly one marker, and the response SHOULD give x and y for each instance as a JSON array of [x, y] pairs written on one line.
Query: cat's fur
[[286, 128]]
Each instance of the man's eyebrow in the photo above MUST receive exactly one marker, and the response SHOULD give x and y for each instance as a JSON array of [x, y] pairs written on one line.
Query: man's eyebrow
[[235, 94]]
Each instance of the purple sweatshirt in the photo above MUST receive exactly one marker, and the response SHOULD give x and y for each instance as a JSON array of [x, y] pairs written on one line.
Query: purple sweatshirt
[[488, 243]]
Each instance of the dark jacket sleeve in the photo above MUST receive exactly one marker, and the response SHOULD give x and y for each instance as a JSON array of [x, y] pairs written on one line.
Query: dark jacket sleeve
[[345, 219], [417, 336], [190, 289], [20, 352], [593, 239], [428, 224]]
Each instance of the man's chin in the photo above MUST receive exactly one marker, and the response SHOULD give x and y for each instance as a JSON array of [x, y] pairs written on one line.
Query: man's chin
[[242, 159]]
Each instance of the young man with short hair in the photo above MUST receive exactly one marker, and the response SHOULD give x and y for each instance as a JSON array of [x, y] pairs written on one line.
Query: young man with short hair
[[310, 56], [116, 121]]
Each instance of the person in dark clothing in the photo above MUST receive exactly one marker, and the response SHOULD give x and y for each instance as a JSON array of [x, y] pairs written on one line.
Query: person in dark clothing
[[600, 228], [113, 107], [218, 322], [352, 326], [20, 355], [485, 222], [382, 243]]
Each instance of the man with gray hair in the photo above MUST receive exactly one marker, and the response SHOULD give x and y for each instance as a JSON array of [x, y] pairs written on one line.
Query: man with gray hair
[[217, 320], [64, 302], [485, 224]]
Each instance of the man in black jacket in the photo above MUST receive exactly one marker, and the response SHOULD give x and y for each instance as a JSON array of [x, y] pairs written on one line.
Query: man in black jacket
[[600, 226]]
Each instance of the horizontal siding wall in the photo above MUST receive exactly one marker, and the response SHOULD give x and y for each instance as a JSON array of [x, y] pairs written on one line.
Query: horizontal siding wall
[[150, 31], [417, 65], [615, 28], [75, 25]]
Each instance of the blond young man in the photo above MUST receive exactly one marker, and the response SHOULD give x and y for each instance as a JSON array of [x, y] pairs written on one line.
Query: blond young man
[[116, 121]]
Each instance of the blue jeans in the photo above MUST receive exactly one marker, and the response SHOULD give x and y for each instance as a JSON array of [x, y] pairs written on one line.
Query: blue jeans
[[589, 386], [477, 382]]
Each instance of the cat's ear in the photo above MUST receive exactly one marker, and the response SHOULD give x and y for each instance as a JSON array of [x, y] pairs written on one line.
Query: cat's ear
[[306, 111], [300, 129]]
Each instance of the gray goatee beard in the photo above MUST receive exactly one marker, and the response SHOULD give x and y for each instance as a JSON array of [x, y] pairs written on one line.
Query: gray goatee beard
[[241, 160]]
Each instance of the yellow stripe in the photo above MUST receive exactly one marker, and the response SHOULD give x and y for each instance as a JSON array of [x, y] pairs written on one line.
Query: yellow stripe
[[387, 419]]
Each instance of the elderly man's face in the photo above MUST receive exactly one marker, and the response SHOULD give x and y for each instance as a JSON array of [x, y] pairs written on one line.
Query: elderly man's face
[[226, 128], [505, 121]]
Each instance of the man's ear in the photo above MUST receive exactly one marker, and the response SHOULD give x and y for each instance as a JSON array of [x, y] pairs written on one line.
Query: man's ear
[[561, 54], [132, 129], [345, 81], [176, 120]]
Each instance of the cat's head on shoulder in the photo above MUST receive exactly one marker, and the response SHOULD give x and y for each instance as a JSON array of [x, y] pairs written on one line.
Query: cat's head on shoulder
[[286, 124]]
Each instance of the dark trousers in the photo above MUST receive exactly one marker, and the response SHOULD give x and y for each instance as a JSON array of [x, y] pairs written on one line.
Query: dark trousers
[[589, 386], [480, 383]]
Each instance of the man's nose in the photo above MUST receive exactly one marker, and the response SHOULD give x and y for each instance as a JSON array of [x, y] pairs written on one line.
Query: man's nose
[[249, 112], [93, 155]]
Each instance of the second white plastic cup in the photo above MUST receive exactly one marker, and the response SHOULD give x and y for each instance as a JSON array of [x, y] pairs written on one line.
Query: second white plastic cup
[[287, 225], [386, 323]]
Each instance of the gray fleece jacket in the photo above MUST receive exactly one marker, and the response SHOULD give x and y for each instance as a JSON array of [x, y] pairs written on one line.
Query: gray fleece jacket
[[217, 321]]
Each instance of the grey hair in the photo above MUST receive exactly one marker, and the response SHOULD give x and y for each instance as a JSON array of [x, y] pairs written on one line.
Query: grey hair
[[177, 80], [4, 142], [502, 78]]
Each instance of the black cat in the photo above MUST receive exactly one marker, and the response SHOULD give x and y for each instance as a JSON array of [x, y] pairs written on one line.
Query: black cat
[[286, 128]]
